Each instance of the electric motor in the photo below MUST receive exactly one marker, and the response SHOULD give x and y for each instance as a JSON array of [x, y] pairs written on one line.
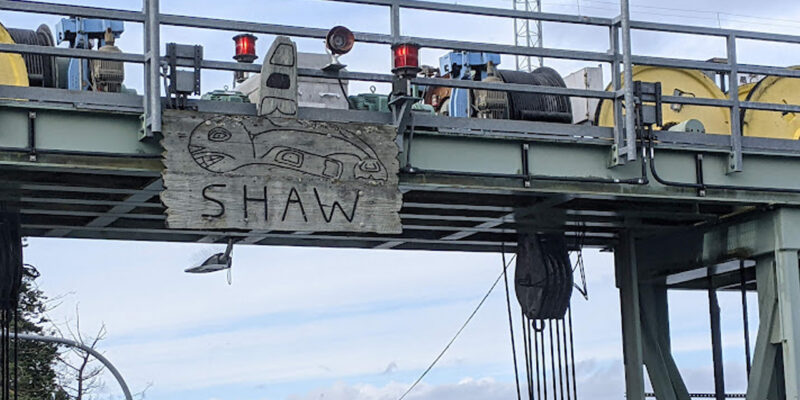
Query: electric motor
[[107, 76]]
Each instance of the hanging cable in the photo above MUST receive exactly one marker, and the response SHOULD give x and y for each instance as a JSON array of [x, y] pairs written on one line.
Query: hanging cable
[[536, 352], [16, 354], [526, 341], [572, 355], [510, 320], [558, 352], [458, 333], [566, 356], [553, 360]]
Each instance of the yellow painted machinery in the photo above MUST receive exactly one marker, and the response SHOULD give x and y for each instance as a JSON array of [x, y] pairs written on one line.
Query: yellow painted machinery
[[778, 90], [12, 66], [678, 82], [745, 89], [716, 120]]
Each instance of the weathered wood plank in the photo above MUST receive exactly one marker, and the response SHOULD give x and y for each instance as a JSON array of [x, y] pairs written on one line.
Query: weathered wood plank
[[237, 172], [278, 90]]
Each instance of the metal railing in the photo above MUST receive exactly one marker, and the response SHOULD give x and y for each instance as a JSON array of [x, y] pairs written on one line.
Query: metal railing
[[619, 56]]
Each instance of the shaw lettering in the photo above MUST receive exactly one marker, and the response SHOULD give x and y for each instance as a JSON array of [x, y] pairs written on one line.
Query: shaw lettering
[[226, 172]]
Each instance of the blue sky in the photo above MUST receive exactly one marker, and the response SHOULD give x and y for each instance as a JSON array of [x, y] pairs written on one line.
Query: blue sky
[[301, 323]]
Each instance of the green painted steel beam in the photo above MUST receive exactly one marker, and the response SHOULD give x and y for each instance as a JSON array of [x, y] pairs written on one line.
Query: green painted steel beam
[[109, 140]]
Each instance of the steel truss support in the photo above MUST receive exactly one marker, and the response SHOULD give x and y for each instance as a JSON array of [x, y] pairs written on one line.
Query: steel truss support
[[772, 239], [645, 329], [657, 347], [628, 283], [776, 361]]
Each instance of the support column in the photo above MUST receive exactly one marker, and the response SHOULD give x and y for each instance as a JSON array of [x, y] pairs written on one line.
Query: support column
[[763, 382], [716, 338], [661, 367], [628, 284], [787, 274]]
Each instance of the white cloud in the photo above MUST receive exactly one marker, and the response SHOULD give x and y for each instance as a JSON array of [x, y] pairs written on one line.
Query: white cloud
[[596, 380]]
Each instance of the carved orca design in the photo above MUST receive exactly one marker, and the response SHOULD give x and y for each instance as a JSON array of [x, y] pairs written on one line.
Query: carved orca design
[[224, 144]]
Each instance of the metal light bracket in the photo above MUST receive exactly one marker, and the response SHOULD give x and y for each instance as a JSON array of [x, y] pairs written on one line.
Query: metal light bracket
[[647, 114], [183, 83], [401, 105]]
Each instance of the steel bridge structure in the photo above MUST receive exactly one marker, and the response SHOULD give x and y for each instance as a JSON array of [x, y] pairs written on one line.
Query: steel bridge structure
[[693, 211]]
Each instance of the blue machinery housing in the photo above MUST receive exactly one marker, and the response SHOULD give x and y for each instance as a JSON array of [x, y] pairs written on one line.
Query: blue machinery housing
[[716, 212]]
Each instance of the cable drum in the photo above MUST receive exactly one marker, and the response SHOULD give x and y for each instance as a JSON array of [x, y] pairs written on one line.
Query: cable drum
[[534, 106], [41, 68]]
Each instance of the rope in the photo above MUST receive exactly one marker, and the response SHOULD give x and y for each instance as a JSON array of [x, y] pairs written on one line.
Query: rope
[[438, 357], [510, 320]]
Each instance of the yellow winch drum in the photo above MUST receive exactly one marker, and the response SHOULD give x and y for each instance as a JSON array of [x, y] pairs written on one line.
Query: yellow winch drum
[[678, 82], [773, 124], [12, 66]]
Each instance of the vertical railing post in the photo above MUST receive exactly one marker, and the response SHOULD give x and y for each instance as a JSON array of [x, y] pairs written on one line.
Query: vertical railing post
[[395, 21], [619, 135], [152, 68], [517, 58], [627, 66], [735, 164]]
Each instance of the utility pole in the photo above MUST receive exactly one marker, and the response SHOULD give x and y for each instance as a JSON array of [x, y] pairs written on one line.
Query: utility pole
[[527, 35]]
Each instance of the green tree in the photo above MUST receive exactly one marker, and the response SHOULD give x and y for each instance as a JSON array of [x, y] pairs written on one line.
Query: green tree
[[37, 373]]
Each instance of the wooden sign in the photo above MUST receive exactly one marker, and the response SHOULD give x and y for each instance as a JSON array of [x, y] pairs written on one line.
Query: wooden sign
[[242, 172]]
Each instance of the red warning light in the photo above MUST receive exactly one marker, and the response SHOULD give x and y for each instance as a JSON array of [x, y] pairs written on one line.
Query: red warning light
[[245, 48], [406, 58]]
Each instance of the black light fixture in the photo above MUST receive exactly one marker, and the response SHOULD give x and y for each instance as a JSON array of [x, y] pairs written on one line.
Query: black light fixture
[[217, 262], [338, 41]]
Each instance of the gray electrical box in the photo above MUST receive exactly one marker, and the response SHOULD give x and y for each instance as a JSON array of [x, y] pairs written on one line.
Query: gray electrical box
[[590, 78], [184, 81]]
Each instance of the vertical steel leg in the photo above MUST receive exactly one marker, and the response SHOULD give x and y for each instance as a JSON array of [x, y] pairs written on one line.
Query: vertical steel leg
[[628, 283], [787, 274], [657, 350], [152, 68], [762, 376], [716, 340]]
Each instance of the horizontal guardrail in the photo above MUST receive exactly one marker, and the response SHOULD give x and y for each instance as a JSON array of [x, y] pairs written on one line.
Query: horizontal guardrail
[[486, 11], [297, 31], [614, 56]]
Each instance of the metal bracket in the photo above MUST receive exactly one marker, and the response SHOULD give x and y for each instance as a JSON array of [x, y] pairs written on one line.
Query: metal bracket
[[701, 192], [31, 135], [644, 116], [647, 114], [526, 165], [401, 115], [183, 83]]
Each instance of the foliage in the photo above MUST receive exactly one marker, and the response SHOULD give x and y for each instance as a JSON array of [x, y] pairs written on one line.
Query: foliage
[[36, 361]]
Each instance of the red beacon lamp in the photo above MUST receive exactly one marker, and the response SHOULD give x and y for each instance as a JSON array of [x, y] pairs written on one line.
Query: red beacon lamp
[[405, 59], [245, 48], [245, 53]]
